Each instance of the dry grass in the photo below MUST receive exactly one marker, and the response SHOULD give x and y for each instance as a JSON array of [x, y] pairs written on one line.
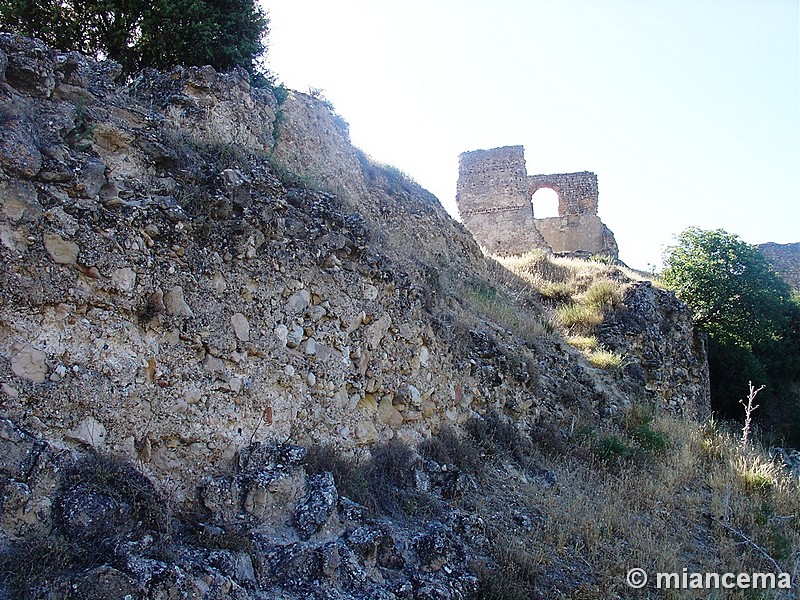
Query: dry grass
[[499, 302], [690, 505], [580, 292], [595, 353], [577, 294], [604, 294], [584, 343], [578, 317], [605, 359]]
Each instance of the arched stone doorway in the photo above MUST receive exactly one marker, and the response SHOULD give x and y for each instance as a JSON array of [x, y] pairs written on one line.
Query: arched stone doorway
[[546, 203]]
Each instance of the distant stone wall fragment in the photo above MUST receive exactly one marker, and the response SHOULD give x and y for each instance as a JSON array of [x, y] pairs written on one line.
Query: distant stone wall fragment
[[785, 260], [494, 200]]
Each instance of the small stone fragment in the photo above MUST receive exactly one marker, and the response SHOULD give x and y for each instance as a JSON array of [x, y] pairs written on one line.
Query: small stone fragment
[[377, 330], [19, 201], [282, 333], [124, 279], [241, 327], [298, 301], [235, 384], [213, 365], [370, 292], [357, 321], [29, 363], [366, 432], [61, 251], [89, 432], [295, 336], [93, 177], [388, 414], [175, 304], [424, 356], [9, 390]]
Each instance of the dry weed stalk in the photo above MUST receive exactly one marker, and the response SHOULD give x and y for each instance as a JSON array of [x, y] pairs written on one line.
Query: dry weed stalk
[[748, 412]]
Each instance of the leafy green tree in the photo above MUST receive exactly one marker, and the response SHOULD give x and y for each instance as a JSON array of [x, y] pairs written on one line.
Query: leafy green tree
[[748, 312], [728, 284], [147, 33]]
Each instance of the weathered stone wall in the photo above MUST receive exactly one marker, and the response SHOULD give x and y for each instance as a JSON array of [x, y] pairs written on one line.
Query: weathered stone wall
[[577, 192], [171, 294], [785, 259], [494, 201], [677, 380], [575, 232]]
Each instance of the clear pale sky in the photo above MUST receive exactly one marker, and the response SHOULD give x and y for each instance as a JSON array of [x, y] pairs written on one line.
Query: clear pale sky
[[688, 111]]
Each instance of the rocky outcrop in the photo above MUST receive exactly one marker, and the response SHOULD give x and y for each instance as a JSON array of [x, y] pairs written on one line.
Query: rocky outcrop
[[268, 528], [665, 357], [190, 282]]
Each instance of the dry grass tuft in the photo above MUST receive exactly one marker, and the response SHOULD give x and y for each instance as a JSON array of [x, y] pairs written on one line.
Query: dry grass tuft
[[579, 316], [584, 343], [605, 359], [604, 294], [500, 302]]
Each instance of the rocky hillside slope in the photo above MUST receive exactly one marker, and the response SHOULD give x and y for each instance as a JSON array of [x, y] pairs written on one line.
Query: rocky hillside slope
[[203, 282]]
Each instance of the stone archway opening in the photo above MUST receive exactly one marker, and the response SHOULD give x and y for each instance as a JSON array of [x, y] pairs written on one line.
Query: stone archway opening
[[545, 203]]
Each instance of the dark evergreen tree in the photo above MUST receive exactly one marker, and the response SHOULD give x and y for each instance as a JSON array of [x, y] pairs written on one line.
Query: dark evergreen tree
[[145, 33]]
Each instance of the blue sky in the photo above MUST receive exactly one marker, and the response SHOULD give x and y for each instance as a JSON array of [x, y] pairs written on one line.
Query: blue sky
[[688, 111]]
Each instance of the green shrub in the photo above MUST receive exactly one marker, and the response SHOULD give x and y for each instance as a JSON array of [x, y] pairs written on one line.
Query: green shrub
[[612, 449], [649, 439], [158, 34]]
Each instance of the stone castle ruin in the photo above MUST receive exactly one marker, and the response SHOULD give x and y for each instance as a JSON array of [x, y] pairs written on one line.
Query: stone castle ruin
[[494, 200]]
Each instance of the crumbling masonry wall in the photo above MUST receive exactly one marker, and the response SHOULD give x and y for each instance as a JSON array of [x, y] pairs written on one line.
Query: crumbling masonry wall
[[785, 260], [494, 200]]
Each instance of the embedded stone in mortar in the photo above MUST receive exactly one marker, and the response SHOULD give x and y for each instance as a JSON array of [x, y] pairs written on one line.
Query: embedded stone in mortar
[[60, 250], [175, 304], [29, 363], [241, 327]]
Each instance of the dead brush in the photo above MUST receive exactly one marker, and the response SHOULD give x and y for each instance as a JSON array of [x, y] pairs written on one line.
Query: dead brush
[[684, 502]]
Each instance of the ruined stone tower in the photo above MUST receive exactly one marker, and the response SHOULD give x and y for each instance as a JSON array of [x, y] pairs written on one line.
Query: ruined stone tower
[[494, 200]]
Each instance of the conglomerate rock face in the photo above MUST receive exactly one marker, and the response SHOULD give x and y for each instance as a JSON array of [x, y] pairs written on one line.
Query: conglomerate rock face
[[188, 280]]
